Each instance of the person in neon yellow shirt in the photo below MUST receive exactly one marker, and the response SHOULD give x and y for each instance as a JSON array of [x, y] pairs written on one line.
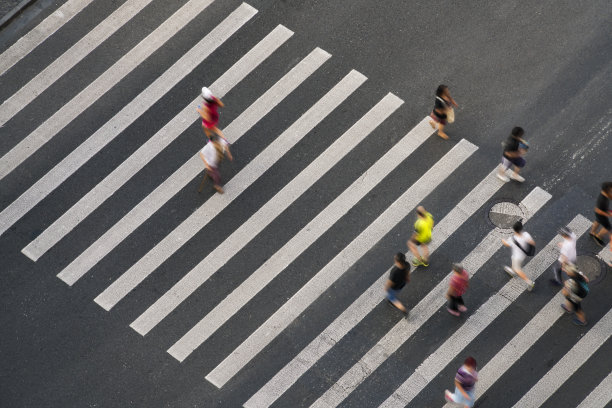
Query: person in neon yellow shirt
[[421, 237]]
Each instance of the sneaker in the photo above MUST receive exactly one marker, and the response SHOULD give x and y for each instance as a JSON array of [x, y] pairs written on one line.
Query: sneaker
[[462, 308], [416, 262], [565, 308], [448, 396], [453, 312], [597, 240], [517, 177], [555, 282], [503, 177], [579, 322], [425, 263], [509, 271], [530, 286]]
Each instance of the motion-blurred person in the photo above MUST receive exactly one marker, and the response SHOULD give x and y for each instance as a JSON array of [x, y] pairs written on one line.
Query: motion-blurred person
[[457, 286], [522, 245], [210, 114], [465, 381], [212, 154], [575, 289], [515, 148], [567, 254], [601, 225], [443, 112], [399, 276], [421, 237]]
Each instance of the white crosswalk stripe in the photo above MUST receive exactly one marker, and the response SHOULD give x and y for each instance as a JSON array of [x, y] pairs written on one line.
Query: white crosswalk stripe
[[256, 223], [96, 196], [565, 367], [477, 322], [341, 262], [40, 33], [56, 176], [286, 377], [601, 396], [84, 262], [61, 65]]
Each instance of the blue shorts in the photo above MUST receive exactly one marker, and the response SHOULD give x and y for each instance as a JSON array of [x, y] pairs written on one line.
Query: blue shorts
[[460, 399], [391, 294]]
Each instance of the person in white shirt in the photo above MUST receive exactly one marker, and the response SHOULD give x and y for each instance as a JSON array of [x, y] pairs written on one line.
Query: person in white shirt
[[567, 254], [211, 155], [519, 244]]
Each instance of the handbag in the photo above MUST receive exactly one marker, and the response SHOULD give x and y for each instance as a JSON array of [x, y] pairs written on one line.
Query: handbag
[[450, 115]]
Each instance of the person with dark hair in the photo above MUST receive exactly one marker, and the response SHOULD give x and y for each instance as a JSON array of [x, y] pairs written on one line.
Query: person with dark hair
[[567, 254], [210, 114], [211, 155], [515, 148], [421, 237], [522, 245], [465, 382], [575, 289], [399, 276], [457, 287], [442, 112], [601, 225]]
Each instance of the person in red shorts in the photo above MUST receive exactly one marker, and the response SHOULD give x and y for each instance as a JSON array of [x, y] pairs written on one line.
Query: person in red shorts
[[210, 113]]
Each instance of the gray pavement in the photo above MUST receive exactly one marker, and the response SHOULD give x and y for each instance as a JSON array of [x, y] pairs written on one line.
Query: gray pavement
[[544, 66]]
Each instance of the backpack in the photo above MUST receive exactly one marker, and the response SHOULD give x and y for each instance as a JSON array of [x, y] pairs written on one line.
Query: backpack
[[530, 251]]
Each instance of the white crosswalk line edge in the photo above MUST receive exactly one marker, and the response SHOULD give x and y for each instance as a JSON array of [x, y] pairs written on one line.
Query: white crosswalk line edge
[[339, 264]]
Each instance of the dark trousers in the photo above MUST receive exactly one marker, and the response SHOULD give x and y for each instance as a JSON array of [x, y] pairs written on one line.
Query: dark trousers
[[557, 267], [454, 302]]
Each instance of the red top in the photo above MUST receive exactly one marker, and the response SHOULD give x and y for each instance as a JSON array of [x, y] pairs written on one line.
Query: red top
[[459, 282], [213, 114]]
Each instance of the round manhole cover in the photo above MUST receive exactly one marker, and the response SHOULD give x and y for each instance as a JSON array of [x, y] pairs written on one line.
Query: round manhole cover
[[591, 266], [504, 214]]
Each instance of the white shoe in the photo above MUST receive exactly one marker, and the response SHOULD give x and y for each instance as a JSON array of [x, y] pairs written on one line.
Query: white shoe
[[530, 286], [503, 177], [517, 177], [509, 271]]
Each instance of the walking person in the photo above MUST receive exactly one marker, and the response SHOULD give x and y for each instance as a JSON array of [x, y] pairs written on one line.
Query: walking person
[[515, 148], [457, 286], [465, 381], [567, 254], [210, 114], [443, 112], [575, 289], [211, 155], [522, 245], [601, 225], [399, 276], [421, 237]]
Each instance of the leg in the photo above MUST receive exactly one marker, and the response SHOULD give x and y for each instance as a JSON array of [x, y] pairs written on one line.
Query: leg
[[441, 132], [214, 174], [517, 267], [425, 253], [413, 248], [557, 272], [395, 301], [594, 228], [203, 181], [452, 306]]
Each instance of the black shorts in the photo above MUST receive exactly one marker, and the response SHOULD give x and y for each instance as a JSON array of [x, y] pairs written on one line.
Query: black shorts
[[603, 221], [576, 306], [416, 242]]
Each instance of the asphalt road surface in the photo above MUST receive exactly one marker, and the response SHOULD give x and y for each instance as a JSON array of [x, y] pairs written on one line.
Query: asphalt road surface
[[123, 286]]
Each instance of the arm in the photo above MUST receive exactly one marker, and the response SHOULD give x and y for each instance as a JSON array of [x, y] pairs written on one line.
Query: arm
[[219, 102], [506, 243], [388, 284], [460, 388], [228, 152]]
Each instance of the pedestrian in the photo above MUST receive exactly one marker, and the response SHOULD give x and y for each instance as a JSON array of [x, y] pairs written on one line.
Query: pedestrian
[[210, 114], [465, 381], [567, 254], [421, 237], [515, 148], [443, 111], [575, 289], [601, 225], [457, 287], [399, 276], [522, 245], [211, 155]]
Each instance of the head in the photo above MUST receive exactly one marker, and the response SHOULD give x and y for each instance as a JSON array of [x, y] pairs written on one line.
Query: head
[[207, 95], [442, 90], [421, 211], [607, 187], [517, 227], [517, 132], [400, 258], [565, 232], [470, 362], [457, 268]]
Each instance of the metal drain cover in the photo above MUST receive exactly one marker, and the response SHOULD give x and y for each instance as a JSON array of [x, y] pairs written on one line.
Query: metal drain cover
[[591, 267], [504, 214]]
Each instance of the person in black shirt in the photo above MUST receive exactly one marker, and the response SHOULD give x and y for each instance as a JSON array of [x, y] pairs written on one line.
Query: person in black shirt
[[443, 105], [399, 276], [514, 149], [602, 215]]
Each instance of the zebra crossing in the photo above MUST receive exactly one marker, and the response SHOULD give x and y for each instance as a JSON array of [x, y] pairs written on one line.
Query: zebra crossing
[[338, 264]]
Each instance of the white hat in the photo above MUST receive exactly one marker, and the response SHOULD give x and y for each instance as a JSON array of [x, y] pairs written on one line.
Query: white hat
[[206, 94]]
